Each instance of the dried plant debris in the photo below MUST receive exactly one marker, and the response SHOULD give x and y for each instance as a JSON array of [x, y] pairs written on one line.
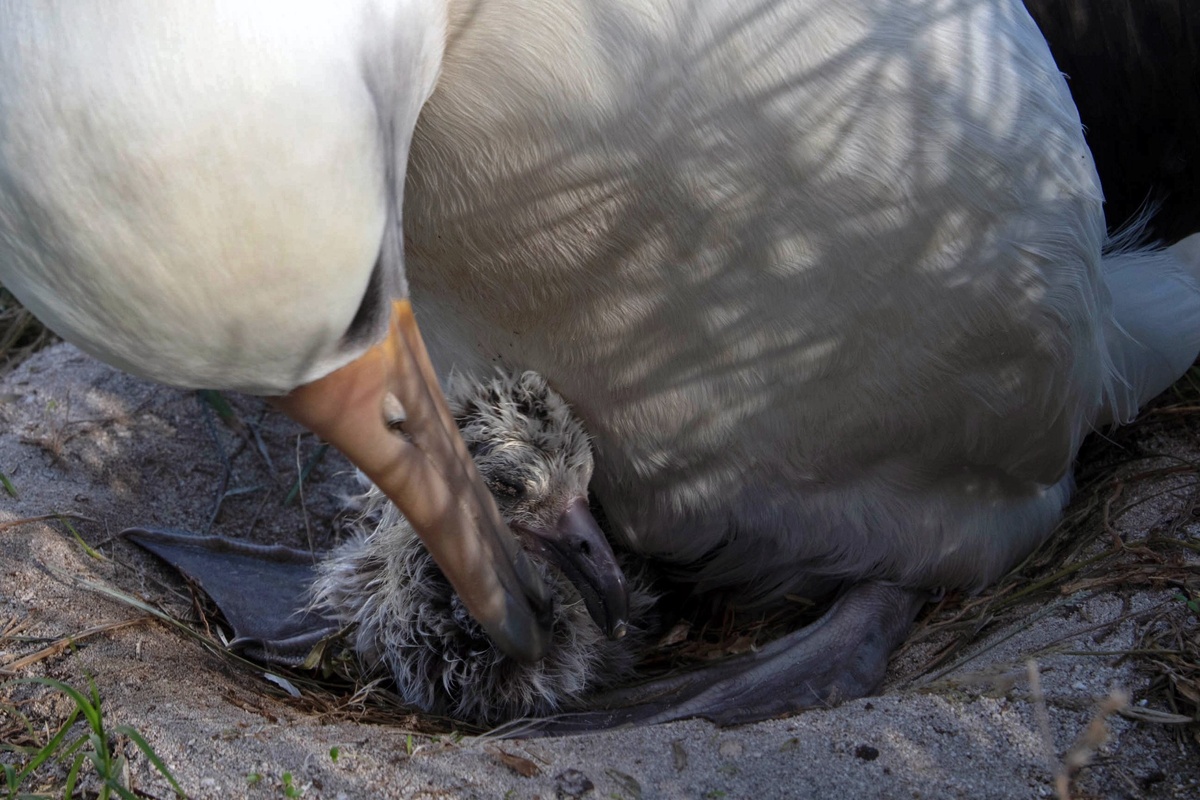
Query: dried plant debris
[[21, 335], [1169, 646], [1086, 745], [517, 763]]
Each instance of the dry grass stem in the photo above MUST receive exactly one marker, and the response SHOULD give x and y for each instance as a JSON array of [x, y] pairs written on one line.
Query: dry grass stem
[[12, 667], [15, 523]]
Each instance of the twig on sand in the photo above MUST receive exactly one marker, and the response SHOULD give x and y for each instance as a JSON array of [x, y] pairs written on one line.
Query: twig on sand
[[57, 647], [14, 523], [1080, 754], [1042, 714], [1088, 742]]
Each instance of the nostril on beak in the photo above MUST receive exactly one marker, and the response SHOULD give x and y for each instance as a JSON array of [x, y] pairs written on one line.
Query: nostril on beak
[[394, 415]]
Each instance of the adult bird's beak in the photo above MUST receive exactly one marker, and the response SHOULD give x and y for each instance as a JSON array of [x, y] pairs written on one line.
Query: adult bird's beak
[[577, 546], [425, 469]]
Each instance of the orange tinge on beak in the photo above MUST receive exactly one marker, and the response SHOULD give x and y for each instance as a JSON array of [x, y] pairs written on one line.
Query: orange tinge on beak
[[428, 474]]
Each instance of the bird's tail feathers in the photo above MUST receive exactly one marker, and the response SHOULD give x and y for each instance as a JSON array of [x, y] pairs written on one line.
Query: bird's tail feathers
[[1155, 334]]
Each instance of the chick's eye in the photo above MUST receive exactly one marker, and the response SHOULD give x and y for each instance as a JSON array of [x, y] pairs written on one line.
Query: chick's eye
[[505, 488]]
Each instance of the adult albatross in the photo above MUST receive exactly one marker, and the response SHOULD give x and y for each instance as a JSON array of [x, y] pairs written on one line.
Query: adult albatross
[[825, 280]]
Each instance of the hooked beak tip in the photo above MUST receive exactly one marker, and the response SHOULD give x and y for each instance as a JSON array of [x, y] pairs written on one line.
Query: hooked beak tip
[[578, 547]]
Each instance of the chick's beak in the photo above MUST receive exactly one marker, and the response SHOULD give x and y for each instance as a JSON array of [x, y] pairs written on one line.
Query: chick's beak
[[430, 477], [577, 546]]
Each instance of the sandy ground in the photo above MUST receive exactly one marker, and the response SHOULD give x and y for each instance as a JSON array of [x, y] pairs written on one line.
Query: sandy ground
[[78, 437]]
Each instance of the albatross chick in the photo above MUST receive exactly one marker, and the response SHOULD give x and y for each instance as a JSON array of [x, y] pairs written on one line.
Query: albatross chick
[[406, 620]]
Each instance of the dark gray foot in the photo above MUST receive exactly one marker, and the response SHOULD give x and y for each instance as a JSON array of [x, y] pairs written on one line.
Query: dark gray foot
[[841, 656], [262, 591]]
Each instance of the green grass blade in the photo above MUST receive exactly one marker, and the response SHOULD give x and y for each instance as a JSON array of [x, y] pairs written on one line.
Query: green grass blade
[[99, 762], [148, 751], [14, 713], [10, 778], [8, 486], [311, 464], [99, 751], [71, 748], [72, 777], [217, 402], [114, 784], [94, 747], [98, 726], [90, 712], [87, 548], [50, 749]]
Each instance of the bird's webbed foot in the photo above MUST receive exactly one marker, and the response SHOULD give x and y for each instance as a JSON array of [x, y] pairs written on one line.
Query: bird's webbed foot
[[261, 590], [841, 656]]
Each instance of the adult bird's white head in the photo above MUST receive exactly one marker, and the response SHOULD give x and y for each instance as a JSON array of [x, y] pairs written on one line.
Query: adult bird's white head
[[209, 195]]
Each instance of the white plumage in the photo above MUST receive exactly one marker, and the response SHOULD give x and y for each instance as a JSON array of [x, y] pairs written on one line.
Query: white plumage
[[198, 195]]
